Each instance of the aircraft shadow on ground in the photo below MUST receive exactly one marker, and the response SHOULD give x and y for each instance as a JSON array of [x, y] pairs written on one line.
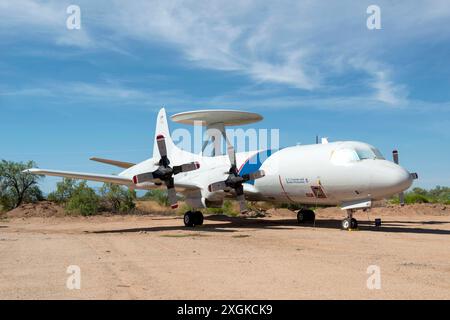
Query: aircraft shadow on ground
[[232, 224]]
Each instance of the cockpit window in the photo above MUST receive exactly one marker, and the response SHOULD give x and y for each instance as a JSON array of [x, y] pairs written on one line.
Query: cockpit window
[[347, 155], [377, 153], [342, 156], [368, 153]]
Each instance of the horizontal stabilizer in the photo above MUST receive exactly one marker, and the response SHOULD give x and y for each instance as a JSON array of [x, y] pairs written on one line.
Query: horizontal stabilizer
[[83, 176], [116, 163]]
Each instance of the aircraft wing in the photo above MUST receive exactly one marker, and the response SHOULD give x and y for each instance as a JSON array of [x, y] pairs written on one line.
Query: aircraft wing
[[182, 187], [81, 175], [116, 163]]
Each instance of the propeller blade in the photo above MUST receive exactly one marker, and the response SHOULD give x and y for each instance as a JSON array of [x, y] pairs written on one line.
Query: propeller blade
[[240, 197], [231, 155], [143, 177], [216, 186], [401, 197], [186, 167], [395, 156], [161, 141], [171, 193], [242, 204]]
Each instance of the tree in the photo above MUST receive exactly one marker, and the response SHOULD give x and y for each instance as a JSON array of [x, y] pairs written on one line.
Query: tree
[[64, 191], [118, 198], [17, 187]]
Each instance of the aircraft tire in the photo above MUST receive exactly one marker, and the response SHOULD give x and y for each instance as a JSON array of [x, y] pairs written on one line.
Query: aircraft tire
[[300, 216], [346, 224], [305, 215], [310, 216], [198, 218], [189, 219]]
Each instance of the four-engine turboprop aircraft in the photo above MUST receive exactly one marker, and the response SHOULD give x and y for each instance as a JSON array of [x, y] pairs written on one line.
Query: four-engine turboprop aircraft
[[348, 173]]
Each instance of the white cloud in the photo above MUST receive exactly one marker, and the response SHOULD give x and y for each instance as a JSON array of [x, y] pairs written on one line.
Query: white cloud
[[306, 45]]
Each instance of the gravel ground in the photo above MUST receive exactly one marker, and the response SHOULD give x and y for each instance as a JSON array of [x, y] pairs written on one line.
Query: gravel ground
[[155, 257]]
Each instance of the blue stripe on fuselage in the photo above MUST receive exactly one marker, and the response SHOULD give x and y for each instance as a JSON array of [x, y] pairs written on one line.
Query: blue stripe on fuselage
[[254, 163]]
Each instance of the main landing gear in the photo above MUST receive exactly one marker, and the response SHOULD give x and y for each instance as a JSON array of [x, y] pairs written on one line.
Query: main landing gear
[[193, 218], [305, 215], [349, 223]]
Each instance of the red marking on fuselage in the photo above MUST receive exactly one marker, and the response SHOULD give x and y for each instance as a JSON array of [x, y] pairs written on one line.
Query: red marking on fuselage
[[285, 193]]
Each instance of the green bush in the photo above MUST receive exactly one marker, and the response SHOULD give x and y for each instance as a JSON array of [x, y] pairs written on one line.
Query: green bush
[[227, 209], [117, 198], [418, 195], [64, 191], [416, 198], [84, 200], [158, 195]]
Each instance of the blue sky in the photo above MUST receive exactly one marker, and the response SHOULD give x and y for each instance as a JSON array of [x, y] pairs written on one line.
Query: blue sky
[[309, 67]]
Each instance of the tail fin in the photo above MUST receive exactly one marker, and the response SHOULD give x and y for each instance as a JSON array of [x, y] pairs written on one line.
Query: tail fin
[[162, 128]]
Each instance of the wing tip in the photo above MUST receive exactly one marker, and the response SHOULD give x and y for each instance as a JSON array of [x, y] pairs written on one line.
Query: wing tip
[[31, 170]]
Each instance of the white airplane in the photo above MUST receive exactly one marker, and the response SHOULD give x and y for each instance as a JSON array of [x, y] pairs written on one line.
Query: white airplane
[[349, 174]]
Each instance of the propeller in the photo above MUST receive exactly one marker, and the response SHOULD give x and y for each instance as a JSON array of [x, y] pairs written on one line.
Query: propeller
[[401, 195], [234, 180], [165, 173]]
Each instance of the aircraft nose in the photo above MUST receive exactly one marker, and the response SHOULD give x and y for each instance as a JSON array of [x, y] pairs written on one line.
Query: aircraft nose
[[392, 179], [400, 179]]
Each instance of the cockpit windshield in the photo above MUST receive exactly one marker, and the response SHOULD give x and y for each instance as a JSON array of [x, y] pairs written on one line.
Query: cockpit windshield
[[347, 155], [368, 153]]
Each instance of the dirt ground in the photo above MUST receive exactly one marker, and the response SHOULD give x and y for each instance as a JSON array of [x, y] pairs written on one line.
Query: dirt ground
[[156, 257]]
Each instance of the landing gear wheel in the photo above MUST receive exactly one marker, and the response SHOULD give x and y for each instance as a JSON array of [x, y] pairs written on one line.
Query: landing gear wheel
[[306, 215], [300, 217], [189, 219], [193, 218], [348, 223], [198, 218]]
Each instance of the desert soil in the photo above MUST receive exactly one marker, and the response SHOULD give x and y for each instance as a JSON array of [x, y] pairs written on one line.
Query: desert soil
[[156, 257]]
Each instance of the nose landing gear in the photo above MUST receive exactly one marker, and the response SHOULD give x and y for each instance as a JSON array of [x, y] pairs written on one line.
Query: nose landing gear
[[193, 218], [349, 223]]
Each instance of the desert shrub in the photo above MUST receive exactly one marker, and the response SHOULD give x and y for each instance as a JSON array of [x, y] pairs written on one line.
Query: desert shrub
[[64, 191], [117, 198], [227, 209], [416, 198], [419, 195], [158, 195], [84, 200]]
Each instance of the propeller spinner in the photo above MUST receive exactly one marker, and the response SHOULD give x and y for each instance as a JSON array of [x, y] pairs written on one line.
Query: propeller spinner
[[235, 181], [165, 172]]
